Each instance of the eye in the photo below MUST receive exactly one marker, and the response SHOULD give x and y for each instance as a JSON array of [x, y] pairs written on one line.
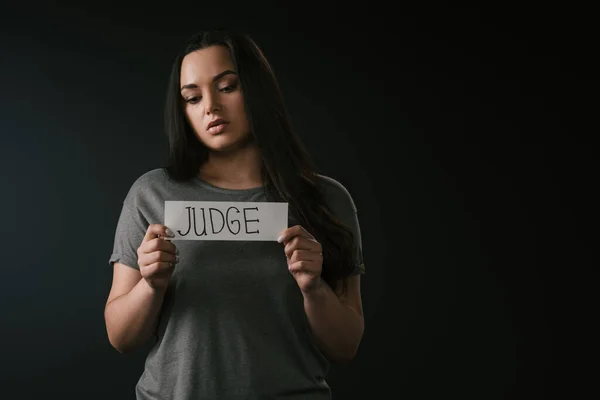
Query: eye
[[193, 100], [228, 89]]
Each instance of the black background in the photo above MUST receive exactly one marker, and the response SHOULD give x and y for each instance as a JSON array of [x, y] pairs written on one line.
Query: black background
[[465, 136]]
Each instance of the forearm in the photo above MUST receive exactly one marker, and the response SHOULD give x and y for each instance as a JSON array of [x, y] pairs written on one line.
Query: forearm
[[131, 318], [337, 329]]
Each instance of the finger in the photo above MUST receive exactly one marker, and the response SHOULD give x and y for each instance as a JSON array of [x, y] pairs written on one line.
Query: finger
[[169, 247], [160, 244], [303, 266], [155, 258], [158, 257], [296, 230], [156, 244], [157, 230], [306, 255], [302, 243], [158, 268]]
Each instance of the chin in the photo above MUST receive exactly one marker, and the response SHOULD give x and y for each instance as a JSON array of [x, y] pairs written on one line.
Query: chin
[[225, 142]]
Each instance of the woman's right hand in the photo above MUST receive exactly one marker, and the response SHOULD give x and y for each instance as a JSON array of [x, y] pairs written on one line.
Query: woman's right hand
[[157, 257]]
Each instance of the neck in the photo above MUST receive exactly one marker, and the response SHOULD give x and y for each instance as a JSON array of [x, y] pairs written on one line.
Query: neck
[[240, 169]]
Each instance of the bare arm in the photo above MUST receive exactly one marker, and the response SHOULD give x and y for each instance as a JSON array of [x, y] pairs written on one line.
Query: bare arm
[[136, 296], [337, 323], [131, 317]]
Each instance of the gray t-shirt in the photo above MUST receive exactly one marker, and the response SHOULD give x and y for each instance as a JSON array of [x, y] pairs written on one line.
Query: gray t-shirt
[[232, 324]]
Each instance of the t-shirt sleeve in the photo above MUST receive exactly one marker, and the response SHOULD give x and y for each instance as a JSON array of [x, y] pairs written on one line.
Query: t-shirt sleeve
[[359, 265], [342, 205], [130, 231]]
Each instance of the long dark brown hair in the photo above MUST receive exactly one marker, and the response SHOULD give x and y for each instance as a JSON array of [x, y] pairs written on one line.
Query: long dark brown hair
[[288, 173]]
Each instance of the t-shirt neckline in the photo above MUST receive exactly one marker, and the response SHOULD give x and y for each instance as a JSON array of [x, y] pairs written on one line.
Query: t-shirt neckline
[[214, 188]]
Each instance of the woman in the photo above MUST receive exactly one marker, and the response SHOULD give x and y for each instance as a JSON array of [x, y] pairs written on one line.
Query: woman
[[235, 319]]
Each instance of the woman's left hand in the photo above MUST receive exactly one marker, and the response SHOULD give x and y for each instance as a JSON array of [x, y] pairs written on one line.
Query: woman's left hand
[[304, 257]]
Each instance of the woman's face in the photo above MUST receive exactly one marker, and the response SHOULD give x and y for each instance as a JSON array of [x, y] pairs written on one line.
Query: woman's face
[[211, 91]]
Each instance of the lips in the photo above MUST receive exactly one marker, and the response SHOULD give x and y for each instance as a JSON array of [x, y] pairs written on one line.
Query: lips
[[217, 126], [215, 122]]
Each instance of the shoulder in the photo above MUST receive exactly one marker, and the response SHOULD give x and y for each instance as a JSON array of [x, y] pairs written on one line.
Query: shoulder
[[145, 185], [152, 177], [334, 192]]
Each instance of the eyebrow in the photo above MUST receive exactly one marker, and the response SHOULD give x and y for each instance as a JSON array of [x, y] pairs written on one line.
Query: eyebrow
[[214, 79]]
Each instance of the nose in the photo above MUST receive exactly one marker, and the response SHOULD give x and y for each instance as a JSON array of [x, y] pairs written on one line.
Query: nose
[[212, 103]]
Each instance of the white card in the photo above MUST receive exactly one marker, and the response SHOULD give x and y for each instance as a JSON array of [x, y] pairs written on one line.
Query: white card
[[225, 220]]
